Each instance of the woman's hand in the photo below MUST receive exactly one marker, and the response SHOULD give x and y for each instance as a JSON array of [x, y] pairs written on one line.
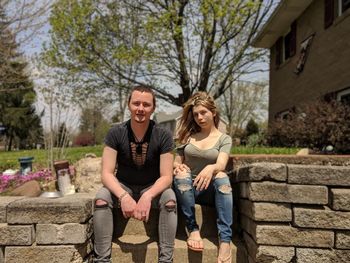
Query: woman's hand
[[203, 179], [181, 169]]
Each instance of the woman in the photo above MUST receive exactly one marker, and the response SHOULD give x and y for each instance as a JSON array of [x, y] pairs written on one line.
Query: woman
[[198, 168]]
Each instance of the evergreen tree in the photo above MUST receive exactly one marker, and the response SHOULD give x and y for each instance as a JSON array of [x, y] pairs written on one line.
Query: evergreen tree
[[252, 128], [17, 95]]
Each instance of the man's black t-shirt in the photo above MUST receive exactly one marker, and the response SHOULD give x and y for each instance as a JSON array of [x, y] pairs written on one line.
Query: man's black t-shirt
[[119, 138]]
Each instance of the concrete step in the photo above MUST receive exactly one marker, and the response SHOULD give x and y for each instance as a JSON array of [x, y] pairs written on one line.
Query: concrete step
[[143, 249], [150, 229]]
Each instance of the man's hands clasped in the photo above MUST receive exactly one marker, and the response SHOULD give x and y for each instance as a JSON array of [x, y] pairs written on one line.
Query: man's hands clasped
[[139, 210]]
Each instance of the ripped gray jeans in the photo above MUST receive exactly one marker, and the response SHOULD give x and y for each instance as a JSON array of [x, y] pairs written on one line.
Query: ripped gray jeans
[[103, 222], [218, 194]]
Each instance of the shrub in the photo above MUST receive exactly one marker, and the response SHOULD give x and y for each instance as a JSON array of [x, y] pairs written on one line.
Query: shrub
[[315, 126], [84, 139]]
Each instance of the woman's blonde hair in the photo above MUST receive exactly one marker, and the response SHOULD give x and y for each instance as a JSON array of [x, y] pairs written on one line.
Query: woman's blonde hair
[[187, 125]]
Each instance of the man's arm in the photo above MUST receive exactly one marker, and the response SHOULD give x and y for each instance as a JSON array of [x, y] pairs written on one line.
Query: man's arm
[[164, 181], [108, 179]]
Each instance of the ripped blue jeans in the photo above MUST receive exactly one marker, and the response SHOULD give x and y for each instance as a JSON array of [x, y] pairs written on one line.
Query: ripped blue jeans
[[218, 194]]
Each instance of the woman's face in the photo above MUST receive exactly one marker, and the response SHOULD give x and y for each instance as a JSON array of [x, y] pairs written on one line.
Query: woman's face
[[203, 116]]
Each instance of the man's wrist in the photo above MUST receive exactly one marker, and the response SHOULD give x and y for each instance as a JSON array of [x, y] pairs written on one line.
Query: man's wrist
[[123, 195], [149, 195]]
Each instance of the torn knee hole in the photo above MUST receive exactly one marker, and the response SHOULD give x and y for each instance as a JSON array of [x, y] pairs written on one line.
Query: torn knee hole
[[225, 189], [171, 203], [220, 175], [170, 206], [182, 176], [101, 203], [184, 187]]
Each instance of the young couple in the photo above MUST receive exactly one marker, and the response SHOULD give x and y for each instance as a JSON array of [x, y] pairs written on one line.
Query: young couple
[[142, 152]]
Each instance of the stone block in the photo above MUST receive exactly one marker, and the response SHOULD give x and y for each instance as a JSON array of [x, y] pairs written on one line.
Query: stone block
[[340, 199], [4, 202], [321, 218], [263, 254], [263, 172], [286, 193], [16, 235], [76, 208], [290, 236], [69, 233], [318, 174], [268, 212], [342, 240], [29, 189], [2, 254], [307, 255], [44, 254]]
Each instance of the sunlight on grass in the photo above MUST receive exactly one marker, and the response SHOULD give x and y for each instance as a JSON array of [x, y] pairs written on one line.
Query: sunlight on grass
[[9, 160]]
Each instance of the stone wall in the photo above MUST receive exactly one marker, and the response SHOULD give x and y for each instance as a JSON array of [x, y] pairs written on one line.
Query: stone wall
[[294, 213], [287, 213], [44, 230]]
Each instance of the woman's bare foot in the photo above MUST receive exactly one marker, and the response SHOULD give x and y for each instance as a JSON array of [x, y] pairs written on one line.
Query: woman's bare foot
[[224, 252], [195, 242]]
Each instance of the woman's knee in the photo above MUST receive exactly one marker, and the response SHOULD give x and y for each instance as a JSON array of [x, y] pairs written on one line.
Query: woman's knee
[[222, 183], [183, 174]]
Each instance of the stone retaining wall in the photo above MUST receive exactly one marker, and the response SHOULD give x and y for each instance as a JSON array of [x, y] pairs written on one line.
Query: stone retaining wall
[[287, 213], [45, 230], [294, 213]]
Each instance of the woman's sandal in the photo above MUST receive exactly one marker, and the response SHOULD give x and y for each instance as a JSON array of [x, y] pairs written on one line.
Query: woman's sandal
[[228, 259], [225, 260], [196, 249]]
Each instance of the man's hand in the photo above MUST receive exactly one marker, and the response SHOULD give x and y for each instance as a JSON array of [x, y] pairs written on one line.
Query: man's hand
[[127, 205], [143, 207]]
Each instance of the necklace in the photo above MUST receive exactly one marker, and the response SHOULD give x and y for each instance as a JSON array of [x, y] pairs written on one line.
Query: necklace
[[138, 143]]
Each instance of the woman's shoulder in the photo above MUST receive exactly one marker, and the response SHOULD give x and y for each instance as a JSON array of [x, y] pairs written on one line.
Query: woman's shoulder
[[225, 138]]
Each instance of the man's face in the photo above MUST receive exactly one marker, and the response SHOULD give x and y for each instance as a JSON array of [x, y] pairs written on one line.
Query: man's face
[[141, 106]]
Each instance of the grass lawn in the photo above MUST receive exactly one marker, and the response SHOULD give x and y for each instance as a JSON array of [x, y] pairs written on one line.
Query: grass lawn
[[263, 150], [9, 160]]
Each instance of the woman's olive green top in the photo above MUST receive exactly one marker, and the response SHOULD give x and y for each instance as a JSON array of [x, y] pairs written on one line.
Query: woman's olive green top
[[196, 159]]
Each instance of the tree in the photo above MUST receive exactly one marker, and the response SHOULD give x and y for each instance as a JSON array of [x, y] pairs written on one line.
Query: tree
[[17, 112], [252, 128], [241, 102], [93, 122], [25, 18], [168, 45]]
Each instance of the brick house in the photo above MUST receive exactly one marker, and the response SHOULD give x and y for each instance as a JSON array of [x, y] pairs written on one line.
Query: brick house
[[309, 42]]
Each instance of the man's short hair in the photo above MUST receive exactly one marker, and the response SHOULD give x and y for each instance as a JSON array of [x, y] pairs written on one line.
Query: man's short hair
[[142, 88]]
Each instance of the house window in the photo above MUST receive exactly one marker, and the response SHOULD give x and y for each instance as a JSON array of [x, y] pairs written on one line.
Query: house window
[[334, 8], [344, 96], [328, 13], [286, 45], [343, 6]]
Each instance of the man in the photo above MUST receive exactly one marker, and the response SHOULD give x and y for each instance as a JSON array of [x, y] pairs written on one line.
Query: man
[[141, 151]]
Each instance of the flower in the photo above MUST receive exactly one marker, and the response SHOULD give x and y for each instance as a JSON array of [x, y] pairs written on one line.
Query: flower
[[11, 181]]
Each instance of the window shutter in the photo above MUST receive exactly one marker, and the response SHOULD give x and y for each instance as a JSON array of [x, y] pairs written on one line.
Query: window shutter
[[293, 39], [328, 13], [279, 50]]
